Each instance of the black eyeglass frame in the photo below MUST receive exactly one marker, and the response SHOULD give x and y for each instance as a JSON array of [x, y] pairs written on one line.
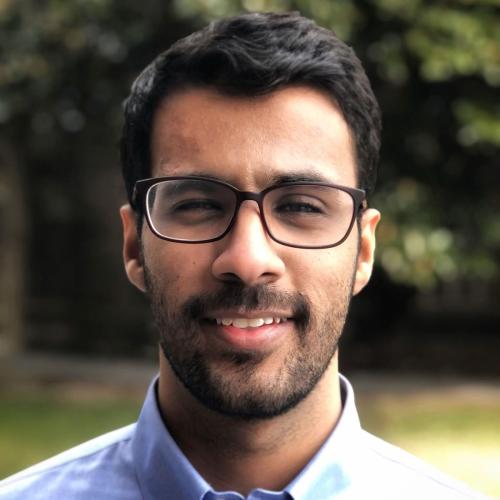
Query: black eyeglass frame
[[141, 188]]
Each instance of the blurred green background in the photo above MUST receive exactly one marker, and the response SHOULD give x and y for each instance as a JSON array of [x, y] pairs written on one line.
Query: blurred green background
[[433, 304]]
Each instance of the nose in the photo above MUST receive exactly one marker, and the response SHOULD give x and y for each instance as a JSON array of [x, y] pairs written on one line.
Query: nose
[[247, 252]]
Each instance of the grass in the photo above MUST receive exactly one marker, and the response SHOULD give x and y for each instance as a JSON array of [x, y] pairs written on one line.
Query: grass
[[460, 438], [33, 427]]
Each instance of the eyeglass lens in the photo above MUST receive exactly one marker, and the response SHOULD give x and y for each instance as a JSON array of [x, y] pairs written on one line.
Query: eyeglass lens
[[297, 214]]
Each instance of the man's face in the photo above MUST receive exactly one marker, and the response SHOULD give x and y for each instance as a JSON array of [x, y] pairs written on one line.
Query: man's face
[[209, 300]]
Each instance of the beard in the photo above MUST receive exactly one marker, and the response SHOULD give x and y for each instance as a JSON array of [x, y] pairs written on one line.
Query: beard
[[236, 383]]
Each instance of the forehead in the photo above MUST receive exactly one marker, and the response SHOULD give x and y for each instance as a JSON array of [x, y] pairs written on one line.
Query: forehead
[[248, 141]]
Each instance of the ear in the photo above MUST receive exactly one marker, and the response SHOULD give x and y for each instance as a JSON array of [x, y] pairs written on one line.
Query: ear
[[132, 257], [366, 254]]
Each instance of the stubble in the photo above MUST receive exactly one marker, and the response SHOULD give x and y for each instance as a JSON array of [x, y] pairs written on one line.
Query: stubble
[[234, 384]]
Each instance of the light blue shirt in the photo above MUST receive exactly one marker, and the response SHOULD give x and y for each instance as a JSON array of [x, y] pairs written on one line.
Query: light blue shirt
[[142, 461]]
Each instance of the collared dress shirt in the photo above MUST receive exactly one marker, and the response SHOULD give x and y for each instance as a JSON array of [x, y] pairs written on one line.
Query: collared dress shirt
[[143, 462]]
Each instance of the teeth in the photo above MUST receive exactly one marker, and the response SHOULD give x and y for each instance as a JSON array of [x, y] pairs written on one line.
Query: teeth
[[241, 323], [248, 322], [255, 322]]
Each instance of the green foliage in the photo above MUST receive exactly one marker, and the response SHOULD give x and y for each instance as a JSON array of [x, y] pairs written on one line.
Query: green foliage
[[480, 122], [438, 69], [454, 42]]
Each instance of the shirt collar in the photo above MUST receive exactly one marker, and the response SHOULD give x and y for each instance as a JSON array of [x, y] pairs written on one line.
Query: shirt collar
[[332, 468], [163, 469]]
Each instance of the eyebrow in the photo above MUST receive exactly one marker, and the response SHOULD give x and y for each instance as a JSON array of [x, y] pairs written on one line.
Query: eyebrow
[[309, 176], [189, 185], [306, 175], [203, 174]]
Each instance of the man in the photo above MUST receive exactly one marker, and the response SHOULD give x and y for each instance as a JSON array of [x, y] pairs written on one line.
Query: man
[[248, 150]]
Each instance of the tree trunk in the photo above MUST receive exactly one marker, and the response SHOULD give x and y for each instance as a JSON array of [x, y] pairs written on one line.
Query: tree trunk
[[13, 233]]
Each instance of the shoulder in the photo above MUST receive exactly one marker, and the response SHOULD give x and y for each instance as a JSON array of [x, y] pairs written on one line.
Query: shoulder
[[89, 470], [402, 473]]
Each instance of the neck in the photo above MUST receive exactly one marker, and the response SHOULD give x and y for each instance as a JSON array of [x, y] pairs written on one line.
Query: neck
[[265, 453]]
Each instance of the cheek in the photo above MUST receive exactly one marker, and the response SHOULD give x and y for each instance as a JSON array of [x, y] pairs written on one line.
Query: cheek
[[330, 265], [178, 269], [325, 276]]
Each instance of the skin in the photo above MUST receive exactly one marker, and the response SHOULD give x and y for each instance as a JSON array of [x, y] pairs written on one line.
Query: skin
[[248, 142]]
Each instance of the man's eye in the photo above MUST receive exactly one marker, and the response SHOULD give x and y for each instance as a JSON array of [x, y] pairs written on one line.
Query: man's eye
[[298, 207], [301, 205], [196, 205]]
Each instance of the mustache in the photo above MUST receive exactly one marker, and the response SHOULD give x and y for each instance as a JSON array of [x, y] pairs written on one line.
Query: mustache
[[246, 299]]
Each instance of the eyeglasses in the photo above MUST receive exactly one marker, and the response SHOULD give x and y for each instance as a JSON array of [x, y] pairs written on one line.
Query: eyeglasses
[[296, 214]]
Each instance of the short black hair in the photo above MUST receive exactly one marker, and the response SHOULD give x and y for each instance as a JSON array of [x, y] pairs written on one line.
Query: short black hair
[[249, 55]]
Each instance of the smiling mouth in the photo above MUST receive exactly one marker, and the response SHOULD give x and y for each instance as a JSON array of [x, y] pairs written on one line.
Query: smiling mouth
[[248, 322]]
